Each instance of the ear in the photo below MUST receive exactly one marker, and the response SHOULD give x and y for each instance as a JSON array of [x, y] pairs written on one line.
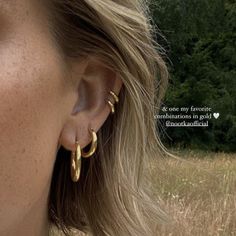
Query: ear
[[93, 81]]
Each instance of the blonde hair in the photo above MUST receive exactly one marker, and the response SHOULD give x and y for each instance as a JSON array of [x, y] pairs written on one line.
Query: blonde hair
[[112, 196]]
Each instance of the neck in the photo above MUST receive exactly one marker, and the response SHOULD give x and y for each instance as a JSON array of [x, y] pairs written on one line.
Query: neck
[[35, 222]]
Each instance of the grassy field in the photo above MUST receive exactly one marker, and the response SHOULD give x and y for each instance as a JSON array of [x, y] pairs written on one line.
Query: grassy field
[[199, 193]]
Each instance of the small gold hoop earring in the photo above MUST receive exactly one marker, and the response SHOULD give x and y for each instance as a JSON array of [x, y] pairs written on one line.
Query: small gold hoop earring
[[93, 145], [114, 96], [111, 106], [75, 163]]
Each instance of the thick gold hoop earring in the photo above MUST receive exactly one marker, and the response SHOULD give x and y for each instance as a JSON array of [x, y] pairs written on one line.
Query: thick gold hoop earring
[[114, 96], [93, 145], [75, 163], [111, 106]]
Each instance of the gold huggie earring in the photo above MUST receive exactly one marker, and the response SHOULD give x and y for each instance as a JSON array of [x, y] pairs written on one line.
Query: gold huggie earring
[[75, 163], [93, 145], [111, 106], [114, 96]]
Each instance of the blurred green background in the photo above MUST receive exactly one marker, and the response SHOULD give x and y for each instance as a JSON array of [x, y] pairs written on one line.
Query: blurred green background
[[199, 37]]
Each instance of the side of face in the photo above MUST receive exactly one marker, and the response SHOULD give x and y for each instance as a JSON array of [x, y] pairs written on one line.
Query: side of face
[[33, 94], [45, 103]]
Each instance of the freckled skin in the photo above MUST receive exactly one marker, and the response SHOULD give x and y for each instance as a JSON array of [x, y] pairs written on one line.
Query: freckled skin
[[37, 104], [33, 94]]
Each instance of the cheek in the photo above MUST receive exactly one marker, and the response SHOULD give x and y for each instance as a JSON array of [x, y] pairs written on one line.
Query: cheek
[[31, 91]]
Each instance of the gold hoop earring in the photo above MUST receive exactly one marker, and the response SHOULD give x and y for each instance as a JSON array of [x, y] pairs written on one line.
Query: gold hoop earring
[[93, 145], [114, 96], [111, 106], [75, 163], [76, 157]]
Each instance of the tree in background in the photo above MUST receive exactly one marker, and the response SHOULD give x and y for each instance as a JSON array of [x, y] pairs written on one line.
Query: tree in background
[[201, 48]]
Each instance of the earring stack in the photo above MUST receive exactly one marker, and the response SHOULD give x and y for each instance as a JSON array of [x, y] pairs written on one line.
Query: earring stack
[[78, 153], [116, 100]]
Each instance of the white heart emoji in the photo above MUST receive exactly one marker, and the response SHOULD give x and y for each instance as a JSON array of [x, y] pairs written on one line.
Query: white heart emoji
[[216, 115]]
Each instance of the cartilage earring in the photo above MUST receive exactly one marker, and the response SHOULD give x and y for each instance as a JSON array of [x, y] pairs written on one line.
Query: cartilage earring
[[116, 99], [114, 96], [111, 106]]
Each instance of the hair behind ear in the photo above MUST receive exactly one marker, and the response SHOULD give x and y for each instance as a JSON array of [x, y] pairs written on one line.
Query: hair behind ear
[[113, 195]]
